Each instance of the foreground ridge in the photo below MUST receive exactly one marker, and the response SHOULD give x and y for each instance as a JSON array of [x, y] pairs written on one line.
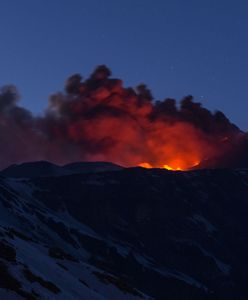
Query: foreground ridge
[[124, 234]]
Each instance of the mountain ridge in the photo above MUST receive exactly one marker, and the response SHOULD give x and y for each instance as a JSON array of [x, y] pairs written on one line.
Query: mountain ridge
[[46, 169]]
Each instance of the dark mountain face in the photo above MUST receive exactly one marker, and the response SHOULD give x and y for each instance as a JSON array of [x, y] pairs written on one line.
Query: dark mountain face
[[46, 169], [126, 234]]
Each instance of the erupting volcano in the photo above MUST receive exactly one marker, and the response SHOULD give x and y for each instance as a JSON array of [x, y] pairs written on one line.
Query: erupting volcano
[[98, 119]]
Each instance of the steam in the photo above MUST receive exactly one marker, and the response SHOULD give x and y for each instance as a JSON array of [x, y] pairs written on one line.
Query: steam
[[100, 119]]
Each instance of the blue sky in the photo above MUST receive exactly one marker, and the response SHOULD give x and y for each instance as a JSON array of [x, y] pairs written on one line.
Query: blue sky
[[176, 47]]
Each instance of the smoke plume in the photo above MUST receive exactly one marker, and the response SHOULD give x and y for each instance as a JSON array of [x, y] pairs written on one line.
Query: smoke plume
[[98, 119]]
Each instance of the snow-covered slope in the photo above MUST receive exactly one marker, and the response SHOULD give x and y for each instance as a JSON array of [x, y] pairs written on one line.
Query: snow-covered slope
[[130, 234]]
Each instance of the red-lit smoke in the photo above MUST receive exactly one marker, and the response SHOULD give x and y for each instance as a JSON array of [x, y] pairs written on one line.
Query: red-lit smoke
[[98, 119]]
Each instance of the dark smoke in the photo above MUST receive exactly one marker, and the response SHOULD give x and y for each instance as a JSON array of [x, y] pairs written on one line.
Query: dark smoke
[[99, 119]]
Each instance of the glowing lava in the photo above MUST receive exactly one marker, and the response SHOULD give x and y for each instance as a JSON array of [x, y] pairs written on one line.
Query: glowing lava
[[178, 166], [171, 168]]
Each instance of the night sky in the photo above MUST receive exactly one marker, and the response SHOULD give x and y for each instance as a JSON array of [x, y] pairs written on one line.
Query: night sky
[[176, 47]]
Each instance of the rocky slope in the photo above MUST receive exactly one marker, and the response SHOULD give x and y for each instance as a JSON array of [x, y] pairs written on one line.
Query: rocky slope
[[123, 234]]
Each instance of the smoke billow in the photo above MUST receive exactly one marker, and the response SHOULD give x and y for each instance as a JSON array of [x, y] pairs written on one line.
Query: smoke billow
[[98, 119]]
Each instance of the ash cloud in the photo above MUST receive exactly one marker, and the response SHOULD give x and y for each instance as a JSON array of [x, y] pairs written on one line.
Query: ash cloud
[[99, 119]]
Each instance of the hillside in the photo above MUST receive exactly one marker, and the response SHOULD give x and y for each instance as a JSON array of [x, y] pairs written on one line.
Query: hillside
[[124, 234]]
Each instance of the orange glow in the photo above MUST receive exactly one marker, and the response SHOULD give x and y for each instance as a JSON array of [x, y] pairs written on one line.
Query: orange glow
[[180, 166], [177, 146], [175, 166], [145, 165], [107, 122], [180, 148], [172, 168]]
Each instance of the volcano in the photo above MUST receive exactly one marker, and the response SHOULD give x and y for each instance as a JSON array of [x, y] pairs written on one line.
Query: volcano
[[111, 194]]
